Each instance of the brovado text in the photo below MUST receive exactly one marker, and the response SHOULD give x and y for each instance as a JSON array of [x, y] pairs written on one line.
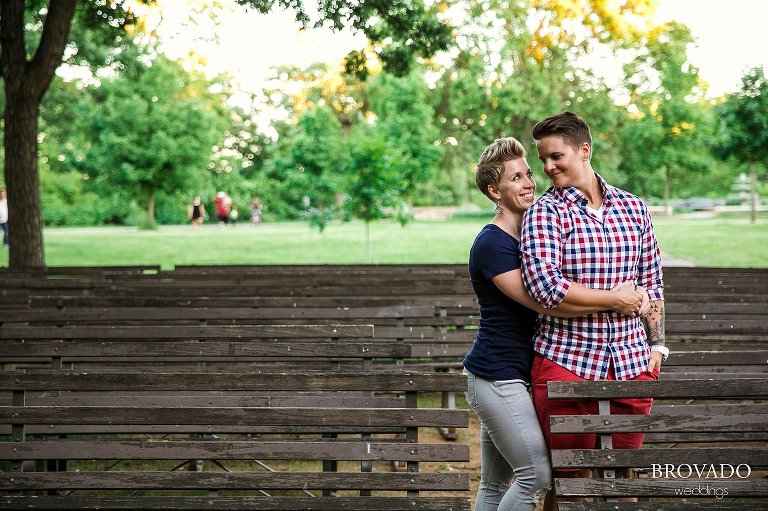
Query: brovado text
[[705, 471]]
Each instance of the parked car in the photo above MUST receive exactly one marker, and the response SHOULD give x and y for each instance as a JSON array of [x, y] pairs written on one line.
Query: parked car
[[701, 203]]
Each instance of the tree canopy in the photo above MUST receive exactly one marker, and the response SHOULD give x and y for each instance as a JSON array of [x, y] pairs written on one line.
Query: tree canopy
[[34, 36], [398, 122], [744, 128]]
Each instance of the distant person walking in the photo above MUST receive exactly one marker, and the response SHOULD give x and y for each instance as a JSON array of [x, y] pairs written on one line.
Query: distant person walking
[[4, 215], [256, 212], [223, 205], [196, 212]]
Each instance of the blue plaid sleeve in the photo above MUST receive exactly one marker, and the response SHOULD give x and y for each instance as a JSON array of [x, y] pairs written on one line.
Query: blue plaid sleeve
[[541, 246]]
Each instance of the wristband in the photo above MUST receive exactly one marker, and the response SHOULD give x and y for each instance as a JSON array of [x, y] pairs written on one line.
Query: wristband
[[661, 349]]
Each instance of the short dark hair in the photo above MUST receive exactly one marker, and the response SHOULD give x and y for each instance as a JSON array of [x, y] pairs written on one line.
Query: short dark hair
[[573, 129], [491, 165]]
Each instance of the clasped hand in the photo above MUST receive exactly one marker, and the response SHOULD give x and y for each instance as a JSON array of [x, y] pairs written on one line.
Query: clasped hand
[[632, 300]]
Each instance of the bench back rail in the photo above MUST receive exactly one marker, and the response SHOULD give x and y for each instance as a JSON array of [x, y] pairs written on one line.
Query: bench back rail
[[135, 478], [733, 469]]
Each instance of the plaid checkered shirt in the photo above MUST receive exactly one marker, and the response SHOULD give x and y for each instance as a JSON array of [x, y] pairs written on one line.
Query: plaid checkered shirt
[[562, 242]]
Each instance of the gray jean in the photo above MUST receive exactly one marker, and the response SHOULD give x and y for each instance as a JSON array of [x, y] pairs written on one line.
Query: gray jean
[[515, 473]]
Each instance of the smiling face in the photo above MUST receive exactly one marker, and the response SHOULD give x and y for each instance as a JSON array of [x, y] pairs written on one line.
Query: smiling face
[[516, 187], [564, 164]]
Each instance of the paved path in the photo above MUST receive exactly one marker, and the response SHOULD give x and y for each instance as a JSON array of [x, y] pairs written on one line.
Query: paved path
[[668, 261]]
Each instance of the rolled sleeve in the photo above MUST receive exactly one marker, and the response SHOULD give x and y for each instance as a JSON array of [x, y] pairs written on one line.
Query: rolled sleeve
[[541, 248], [650, 273]]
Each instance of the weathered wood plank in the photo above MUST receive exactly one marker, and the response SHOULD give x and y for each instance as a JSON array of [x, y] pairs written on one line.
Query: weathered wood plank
[[273, 399], [157, 503], [51, 315], [82, 270], [440, 350], [703, 437], [709, 409], [707, 372], [158, 480], [407, 333], [105, 332], [616, 458], [713, 389], [663, 487], [175, 349], [659, 423], [233, 450], [459, 301], [211, 429], [339, 270], [232, 381], [708, 296], [736, 325], [232, 288], [723, 373], [719, 358], [257, 416], [706, 308], [676, 505]]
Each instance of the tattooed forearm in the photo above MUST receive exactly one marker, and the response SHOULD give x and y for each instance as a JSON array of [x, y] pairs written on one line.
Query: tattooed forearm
[[654, 323]]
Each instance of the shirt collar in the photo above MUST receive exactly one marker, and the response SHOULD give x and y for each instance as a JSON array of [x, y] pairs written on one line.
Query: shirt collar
[[572, 194]]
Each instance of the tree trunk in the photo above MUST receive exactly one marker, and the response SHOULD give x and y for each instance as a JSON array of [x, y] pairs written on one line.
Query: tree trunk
[[25, 85], [368, 241], [753, 192], [22, 179], [151, 208]]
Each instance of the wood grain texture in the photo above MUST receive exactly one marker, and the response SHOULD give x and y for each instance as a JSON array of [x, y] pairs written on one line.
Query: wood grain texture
[[158, 480], [295, 381], [75, 503], [616, 458]]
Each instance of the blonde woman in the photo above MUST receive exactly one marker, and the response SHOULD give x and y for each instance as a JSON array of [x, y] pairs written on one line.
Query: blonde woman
[[515, 470]]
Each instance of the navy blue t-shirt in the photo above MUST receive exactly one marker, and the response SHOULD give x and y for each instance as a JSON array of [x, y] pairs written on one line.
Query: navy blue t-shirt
[[503, 349]]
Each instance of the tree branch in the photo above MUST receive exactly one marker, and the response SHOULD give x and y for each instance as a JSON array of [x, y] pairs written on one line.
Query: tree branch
[[12, 58], [49, 53]]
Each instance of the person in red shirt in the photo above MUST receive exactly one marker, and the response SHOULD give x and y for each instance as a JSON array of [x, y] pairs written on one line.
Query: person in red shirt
[[223, 205]]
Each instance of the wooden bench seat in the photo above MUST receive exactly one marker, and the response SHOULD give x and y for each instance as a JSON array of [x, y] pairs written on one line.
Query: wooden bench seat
[[388, 315], [79, 271], [304, 416], [151, 344], [160, 349], [461, 302], [656, 484], [91, 485]]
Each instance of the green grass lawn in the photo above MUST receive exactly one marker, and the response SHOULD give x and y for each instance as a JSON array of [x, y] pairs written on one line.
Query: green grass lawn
[[727, 241]]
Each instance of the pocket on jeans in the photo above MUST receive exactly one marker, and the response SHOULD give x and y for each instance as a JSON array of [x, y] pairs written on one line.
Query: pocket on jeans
[[471, 393], [510, 389]]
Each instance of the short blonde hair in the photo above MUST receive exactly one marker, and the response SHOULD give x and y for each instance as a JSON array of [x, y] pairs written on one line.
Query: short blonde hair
[[491, 165]]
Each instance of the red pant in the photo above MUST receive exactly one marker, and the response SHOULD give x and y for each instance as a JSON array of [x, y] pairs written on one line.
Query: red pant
[[545, 370]]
